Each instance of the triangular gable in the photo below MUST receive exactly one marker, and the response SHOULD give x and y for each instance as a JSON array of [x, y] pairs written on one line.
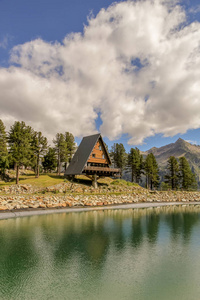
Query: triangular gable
[[99, 154], [82, 154]]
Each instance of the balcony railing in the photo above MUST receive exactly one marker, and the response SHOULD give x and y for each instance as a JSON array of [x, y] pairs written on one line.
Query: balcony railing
[[102, 169]]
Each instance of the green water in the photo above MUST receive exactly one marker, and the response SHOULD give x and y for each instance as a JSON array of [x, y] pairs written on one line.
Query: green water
[[113, 254]]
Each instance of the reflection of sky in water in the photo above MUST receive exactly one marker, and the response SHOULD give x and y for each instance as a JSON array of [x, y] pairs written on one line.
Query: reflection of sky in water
[[115, 254]]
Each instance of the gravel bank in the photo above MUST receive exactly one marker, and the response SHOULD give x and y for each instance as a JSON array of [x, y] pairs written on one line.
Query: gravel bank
[[16, 199]]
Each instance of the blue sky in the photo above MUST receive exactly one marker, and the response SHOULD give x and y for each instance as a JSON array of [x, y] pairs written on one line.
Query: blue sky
[[50, 21], [22, 20]]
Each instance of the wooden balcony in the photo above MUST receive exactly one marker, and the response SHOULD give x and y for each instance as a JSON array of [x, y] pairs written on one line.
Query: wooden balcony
[[105, 171]]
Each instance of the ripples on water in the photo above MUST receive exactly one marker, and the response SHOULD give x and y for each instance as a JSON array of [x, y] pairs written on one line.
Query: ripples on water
[[113, 254]]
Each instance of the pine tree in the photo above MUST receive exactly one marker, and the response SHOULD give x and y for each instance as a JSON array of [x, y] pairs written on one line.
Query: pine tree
[[20, 151], [187, 178], [119, 156], [61, 150], [50, 162], [135, 162], [3, 150], [151, 171], [39, 144], [71, 146], [172, 178]]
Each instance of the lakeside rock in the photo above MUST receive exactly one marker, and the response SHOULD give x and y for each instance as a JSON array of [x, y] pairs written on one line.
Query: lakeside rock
[[75, 194], [17, 202]]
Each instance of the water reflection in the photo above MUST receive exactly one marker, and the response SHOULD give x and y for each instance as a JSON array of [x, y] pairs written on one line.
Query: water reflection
[[182, 223], [152, 224], [137, 233], [77, 254]]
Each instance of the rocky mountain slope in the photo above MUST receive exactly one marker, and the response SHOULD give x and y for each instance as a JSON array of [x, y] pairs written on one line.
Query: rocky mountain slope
[[177, 149]]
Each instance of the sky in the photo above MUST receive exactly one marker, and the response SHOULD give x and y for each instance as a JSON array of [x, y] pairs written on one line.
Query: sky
[[127, 69]]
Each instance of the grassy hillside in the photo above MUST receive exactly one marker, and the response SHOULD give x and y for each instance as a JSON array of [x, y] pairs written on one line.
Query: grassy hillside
[[52, 183], [44, 180]]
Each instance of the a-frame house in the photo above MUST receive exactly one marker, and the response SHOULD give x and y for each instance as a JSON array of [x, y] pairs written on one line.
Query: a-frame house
[[92, 159]]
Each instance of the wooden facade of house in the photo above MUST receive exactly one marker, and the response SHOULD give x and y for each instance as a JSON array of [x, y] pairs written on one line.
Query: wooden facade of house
[[92, 159], [98, 156]]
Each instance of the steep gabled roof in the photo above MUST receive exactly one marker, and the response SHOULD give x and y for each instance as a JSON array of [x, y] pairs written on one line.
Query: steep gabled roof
[[82, 154]]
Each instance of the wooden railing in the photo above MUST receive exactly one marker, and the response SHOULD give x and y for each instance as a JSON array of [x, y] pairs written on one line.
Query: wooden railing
[[104, 169]]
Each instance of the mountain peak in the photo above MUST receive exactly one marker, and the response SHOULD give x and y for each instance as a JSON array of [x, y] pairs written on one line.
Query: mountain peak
[[180, 141]]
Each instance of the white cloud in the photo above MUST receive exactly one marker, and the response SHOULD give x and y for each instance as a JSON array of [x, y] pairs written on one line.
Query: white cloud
[[195, 9], [137, 63], [4, 42], [192, 142]]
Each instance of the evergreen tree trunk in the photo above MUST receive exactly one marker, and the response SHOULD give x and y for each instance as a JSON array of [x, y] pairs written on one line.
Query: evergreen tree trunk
[[148, 182], [132, 175], [17, 174], [151, 185], [58, 168], [38, 167], [38, 170], [173, 184], [172, 180]]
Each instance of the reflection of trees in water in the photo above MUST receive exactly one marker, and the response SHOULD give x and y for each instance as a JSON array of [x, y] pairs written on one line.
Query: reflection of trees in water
[[118, 235], [152, 225], [89, 244], [146, 223], [181, 223], [17, 258], [91, 239], [189, 220], [87, 236], [137, 233], [174, 221]]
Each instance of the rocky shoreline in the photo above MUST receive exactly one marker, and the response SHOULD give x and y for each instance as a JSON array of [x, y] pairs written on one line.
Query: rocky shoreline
[[64, 195]]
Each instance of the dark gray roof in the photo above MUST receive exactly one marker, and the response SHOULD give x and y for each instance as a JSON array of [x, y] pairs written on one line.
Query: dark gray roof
[[82, 154]]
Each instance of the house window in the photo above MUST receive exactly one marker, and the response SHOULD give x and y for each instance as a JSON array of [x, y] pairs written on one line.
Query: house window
[[100, 148], [103, 156], [93, 155]]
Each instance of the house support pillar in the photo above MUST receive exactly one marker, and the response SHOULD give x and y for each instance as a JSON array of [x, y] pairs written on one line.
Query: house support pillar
[[94, 181]]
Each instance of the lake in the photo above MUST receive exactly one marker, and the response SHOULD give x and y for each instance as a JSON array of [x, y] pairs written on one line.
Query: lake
[[131, 254]]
